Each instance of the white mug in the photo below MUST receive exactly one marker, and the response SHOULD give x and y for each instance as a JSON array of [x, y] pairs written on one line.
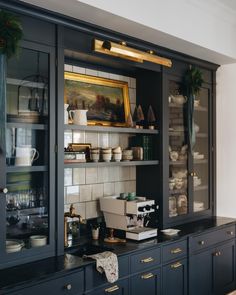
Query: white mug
[[79, 118], [25, 155]]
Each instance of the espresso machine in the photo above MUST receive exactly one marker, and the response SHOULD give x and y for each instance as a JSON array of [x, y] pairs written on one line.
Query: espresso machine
[[130, 216]]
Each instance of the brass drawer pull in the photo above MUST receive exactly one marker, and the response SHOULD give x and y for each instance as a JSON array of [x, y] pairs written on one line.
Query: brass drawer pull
[[176, 265], [175, 251], [218, 253], [201, 243], [231, 233], [147, 260], [68, 287], [112, 289], [147, 276]]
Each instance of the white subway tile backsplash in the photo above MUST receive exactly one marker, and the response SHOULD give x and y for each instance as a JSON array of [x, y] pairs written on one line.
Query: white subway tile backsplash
[[124, 173], [109, 189], [68, 68], [85, 193], [78, 136], [78, 70], [91, 175], [103, 174], [97, 191], [92, 210], [92, 137], [103, 75], [78, 176], [91, 72], [84, 186], [67, 176], [103, 140]]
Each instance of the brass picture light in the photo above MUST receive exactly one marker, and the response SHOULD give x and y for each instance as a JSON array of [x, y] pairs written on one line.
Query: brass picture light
[[123, 51]]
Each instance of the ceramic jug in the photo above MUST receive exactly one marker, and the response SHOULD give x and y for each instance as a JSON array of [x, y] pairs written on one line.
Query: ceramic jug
[[79, 117], [66, 113], [25, 155]]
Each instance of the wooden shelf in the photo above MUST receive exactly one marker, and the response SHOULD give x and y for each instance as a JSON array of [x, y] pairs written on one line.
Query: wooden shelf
[[26, 169], [27, 126], [109, 129], [103, 164]]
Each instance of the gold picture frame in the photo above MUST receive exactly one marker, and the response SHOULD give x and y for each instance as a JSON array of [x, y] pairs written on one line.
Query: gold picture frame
[[107, 100]]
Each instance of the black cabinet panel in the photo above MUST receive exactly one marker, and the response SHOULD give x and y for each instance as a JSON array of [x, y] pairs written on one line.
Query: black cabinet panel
[[146, 283], [175, 278]]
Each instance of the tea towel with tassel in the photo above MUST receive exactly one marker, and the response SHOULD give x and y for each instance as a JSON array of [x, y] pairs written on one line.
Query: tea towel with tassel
[[106, 262]]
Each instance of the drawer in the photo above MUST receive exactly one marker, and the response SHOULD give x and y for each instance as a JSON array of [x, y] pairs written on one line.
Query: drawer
[[145, 259], [95, 279], [72, 284], [174, 251], [210, 239], [121, 287]]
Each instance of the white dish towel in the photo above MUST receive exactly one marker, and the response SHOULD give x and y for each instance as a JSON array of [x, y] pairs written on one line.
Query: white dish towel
[[107, 262]]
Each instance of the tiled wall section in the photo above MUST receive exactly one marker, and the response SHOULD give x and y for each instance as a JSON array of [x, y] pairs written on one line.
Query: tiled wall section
[[84, 186]]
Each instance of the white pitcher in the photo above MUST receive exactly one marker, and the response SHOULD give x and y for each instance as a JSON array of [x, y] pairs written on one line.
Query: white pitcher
[[25, 155], [79, 117], [66, 113]]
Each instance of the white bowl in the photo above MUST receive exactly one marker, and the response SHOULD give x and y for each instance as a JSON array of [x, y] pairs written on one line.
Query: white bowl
[[170, 231], [13, 246], [95, 157], [38, 241]]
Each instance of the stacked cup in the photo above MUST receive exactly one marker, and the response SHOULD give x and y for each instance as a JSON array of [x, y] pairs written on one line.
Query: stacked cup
[[117, 154], [106, 154], [95, 154]]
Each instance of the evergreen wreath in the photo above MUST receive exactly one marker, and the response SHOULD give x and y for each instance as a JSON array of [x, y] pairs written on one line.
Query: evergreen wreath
[[10, 33]]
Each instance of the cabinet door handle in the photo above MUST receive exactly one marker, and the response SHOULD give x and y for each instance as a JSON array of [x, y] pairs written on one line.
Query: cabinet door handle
[[3, 190], [147, 276], [201, 243], [147, 260], [112, 289], [192, 174], [231, 233], [176, 250], [176, 265], [218, 253], [68, 287]]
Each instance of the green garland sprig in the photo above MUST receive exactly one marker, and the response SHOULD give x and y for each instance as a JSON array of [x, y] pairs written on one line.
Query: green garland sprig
[[10, 33], [193, 80]]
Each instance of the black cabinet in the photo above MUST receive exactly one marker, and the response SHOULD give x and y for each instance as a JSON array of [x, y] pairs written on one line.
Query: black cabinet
[[175, 278], [212, 271], [120, 287], [148, 282]]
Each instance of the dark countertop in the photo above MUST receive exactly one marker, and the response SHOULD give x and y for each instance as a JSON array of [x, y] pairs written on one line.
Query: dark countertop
[[49, 268]]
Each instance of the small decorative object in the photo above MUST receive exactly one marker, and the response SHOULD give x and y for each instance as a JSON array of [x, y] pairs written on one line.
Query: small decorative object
[[151, 118], [140, 116], [95, 154], [135, 117], [80, 147], [117, 154], [127, 155], [79, 117], [178, 99], [106, 154], [193, 80], [66, 105], [174, 156], [38, 241], [131, 196], [137, 153], [106, 100], [182, 205], [74, 157], [129, 120], [172, 206], [95, 231]]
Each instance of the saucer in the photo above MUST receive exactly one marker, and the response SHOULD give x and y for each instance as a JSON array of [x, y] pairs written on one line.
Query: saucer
[[170, 231]]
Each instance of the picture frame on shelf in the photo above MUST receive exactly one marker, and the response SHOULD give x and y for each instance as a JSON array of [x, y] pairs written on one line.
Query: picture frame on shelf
[[106, 100]]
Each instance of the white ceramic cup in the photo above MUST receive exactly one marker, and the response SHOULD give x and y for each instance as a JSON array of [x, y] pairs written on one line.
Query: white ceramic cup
[[66, 113], [25, 155]]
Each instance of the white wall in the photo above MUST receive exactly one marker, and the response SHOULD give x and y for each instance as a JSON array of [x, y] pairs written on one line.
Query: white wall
[[226, 141]]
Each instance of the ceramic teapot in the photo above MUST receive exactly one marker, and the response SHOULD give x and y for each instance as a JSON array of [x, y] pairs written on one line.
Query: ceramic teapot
[[79, 117]]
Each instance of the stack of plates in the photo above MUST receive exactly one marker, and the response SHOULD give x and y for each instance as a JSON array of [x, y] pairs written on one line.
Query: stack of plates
[[14, 246]]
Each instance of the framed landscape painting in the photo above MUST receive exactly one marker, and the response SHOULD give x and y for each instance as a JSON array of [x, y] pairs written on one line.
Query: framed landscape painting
[[107, 101]]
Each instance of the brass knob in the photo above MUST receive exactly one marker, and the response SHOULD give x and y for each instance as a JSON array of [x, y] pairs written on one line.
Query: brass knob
[[4, 190], [201, 243], [231, 233], [68, 287]]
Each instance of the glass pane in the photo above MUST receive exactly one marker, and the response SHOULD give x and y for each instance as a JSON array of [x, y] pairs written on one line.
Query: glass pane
[[178, 153], [201, 167], [27, 149]]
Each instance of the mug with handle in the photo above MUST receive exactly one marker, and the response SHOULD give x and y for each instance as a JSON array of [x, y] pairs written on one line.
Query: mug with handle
[[25, 155]]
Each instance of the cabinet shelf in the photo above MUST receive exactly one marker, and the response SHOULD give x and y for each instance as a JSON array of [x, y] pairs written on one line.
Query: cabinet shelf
[[18, 82], [178, 192], [200, 188], [102, 164], [27, 126], [182, 163], [199, 108], [109, 129], [181, 133], [26, 169]]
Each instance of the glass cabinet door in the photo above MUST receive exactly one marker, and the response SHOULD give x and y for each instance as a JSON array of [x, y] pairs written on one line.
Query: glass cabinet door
[[201, 198], [178, 153], [26, 152]]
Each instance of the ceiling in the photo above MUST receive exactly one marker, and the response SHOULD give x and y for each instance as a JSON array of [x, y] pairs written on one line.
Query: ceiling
[[102, 13]]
